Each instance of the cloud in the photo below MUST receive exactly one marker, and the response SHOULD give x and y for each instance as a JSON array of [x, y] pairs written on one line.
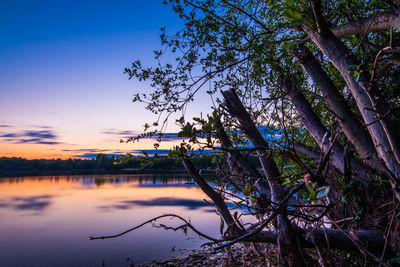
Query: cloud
[[41, 126], [45, 134], [128, 134], [171, 137], [45, 137], [150, 151], [89, 153], [5, 126], [86, 155], [9, 135], [120, 134], [92, 153], [93, 150]]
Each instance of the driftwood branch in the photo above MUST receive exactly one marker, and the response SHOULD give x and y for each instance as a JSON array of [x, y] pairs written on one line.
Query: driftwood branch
[[264, 224], [187, 224]]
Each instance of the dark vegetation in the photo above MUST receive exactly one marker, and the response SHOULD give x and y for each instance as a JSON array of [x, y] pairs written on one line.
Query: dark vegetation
[[101, 164], [325, 196]]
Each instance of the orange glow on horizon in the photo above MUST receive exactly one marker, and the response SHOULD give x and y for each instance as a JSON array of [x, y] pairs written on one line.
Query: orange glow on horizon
[[61, 151]]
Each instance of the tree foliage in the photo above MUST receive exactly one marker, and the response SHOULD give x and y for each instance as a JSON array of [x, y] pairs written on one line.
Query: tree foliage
[[324, 76]]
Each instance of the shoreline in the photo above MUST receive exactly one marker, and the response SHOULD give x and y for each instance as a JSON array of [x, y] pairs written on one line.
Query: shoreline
[[241, 254], [22, 173]]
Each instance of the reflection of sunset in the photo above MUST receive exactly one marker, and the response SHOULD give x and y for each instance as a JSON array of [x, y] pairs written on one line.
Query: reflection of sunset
[[60, 212]]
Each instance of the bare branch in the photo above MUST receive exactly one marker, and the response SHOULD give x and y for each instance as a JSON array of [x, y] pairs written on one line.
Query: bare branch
[[187, 224]]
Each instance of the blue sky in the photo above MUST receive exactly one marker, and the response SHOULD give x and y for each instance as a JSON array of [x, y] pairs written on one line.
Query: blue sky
[[61, 74]]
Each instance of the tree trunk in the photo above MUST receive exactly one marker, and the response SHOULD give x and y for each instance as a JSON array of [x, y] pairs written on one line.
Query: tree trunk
[[318, 132], [371, 24], [289, 250], [349, 123], [242, 161], [341, 58], [233, 229], [373, 241]]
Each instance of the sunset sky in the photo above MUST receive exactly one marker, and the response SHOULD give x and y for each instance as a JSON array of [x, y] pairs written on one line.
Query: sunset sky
[[62, 88]]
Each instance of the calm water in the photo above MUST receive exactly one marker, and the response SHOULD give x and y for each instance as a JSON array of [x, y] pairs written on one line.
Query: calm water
[[47, 221]]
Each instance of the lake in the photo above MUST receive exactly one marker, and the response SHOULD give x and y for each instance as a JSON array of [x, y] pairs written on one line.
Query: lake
[[47, 221]]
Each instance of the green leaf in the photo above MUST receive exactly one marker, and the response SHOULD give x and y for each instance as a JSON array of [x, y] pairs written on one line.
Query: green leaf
[[289, 166], [296, 15], [289, 3], [323, 191], [313, 195], [187, 131]]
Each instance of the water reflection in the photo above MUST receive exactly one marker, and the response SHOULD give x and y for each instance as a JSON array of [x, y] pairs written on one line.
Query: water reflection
[[171, 184], [163, 201], [35, 203], [46, 221], [148, 180]]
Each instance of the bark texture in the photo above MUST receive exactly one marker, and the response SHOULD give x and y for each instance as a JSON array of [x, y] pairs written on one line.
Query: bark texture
[[374, 241], [241, 160], [351, 126], [343, 60], [290, 252], [374, 23], [318, 131], [219, 202]]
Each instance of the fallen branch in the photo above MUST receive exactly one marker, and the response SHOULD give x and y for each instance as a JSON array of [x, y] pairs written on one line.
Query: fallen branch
[[264, 224], [187, 224]]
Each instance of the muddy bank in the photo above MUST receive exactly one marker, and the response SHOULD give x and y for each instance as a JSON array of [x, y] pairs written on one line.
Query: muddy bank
[[238, 255]]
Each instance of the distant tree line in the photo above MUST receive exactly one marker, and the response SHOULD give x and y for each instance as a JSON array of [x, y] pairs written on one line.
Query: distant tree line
[[11, 166]]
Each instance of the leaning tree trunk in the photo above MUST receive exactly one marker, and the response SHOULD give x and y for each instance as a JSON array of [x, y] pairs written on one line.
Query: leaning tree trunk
[[239, 158], [351, 126], [289, 250], [232, 229], [343, 60], [318, 131]]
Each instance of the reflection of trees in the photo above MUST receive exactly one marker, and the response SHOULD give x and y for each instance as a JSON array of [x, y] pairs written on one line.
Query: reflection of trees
[[99, 182], [102, 163]]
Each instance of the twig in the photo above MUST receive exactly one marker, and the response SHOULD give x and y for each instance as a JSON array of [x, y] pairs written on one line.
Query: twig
[[155, 219], [264, 224], [360, 247], [388, 232]]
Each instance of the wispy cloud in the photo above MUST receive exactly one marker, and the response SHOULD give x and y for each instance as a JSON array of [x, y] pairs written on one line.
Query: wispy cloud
[[92, 153], [150, 151], [45, 137], [85, 150], [41, 126], [5, 126], [120, 133], [86, 155], [171, 137], [127, 134]]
